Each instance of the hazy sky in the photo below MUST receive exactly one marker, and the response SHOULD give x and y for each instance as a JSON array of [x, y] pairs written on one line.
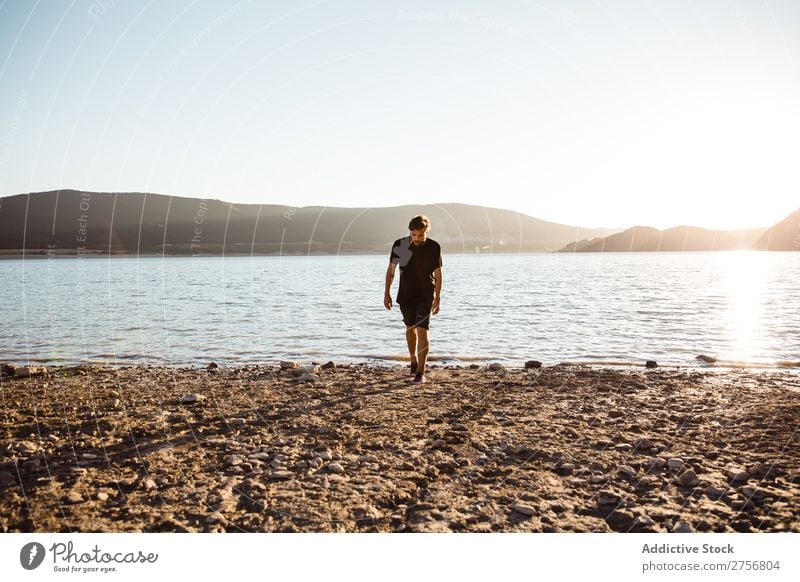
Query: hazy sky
[[592, 113]]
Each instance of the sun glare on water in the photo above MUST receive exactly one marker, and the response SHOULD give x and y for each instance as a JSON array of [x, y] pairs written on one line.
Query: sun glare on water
[[745, 274]]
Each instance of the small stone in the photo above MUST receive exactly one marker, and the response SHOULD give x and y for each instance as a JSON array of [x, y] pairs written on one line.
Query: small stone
[[737, 474], [26, 447], [307, 377], [288, 365], [523, 509], [566, 468], [236, 422], [753, 492], [495, 367], [656, 463], [626, 471], [688, 479], [533, 364], [759, 470], [301, 370], [325, 455], [644, 521], [682, 527], [216, 517], [192, 398], [89, 456], [335, 467], [642, 444], [328, 365], [711, 455], [651, 364], [437, 444], [74, 498], [281, 475], [474, 367], [622, 447], [150, 484], [742, 505], [606, 497], [213, 367], [233, 460], [715, 492], [675, 463], [102, 496], [367, 459], [706, 359]]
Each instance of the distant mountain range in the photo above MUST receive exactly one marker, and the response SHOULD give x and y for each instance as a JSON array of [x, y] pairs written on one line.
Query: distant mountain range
[[784, 236], [680, 238], [72, 221]]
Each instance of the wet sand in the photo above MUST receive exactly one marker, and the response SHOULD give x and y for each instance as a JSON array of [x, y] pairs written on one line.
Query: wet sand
[[361, 449]]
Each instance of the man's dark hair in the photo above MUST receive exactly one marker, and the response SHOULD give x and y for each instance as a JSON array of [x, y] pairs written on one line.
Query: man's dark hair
[[420, 222]]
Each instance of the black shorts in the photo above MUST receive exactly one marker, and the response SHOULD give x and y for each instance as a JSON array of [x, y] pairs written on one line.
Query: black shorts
[[416, 314]]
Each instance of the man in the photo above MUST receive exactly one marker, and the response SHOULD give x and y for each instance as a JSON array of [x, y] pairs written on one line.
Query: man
[[420, 291]]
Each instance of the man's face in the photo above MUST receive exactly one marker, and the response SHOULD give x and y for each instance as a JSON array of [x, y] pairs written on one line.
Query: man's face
[[418, 237]]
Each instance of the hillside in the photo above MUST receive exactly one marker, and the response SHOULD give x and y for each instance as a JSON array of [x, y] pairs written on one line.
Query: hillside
[[784, 236], [679, 238], [71, 221]]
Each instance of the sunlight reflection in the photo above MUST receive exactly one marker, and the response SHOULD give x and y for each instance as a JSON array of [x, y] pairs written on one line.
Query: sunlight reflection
[[745, 274]]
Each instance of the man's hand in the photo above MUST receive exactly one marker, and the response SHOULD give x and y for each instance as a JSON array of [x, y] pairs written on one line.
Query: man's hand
[[435, 306], [387, 301]]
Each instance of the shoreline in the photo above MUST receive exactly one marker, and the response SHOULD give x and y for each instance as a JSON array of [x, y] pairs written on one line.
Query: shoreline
[[362, 449], [444, 362]]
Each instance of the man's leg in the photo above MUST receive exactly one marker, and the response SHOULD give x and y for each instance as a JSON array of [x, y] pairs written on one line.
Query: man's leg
[[422, 348], [411, 338]]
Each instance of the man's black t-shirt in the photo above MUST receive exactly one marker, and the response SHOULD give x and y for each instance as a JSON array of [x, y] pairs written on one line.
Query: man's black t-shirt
[[417, 264]]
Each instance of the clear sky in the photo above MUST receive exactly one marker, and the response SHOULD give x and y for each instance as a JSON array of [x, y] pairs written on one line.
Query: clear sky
[[593, 113]]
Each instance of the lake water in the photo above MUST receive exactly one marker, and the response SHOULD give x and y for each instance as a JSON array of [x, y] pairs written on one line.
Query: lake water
[[612, 307]]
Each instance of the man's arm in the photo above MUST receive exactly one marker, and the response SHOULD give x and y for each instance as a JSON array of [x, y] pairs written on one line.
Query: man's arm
[[437, 291], [387, 297]]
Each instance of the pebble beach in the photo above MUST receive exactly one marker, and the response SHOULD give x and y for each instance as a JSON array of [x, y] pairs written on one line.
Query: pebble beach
[[360, 448]]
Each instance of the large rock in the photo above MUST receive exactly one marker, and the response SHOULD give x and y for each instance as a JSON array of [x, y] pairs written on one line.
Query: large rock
[[29, 371]]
